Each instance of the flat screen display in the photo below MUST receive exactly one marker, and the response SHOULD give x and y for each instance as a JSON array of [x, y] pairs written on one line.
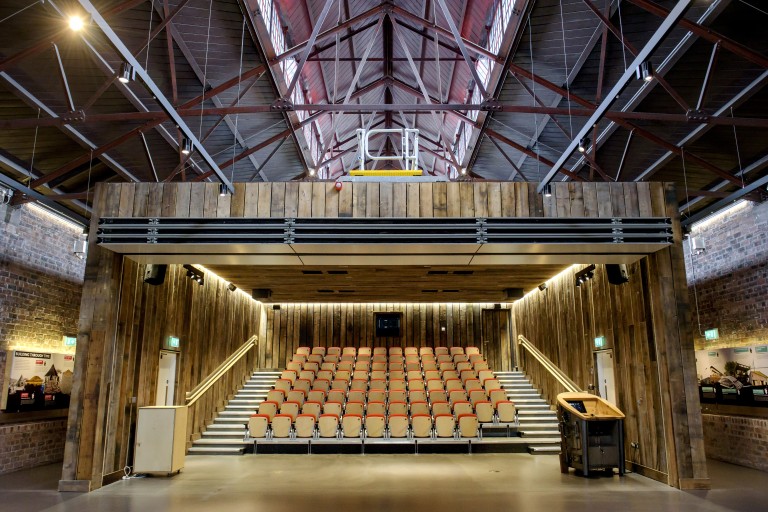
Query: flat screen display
[[578, 405]]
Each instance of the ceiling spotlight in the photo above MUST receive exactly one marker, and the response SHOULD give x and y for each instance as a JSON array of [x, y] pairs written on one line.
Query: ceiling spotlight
[[231, 287], [195, 274], [223, 190], [311, 172], [186, 146], [583, 145], [543, 286], [548, 190], [463, 171], [76, 23], [644, 71], [126, 73], [584, 275]]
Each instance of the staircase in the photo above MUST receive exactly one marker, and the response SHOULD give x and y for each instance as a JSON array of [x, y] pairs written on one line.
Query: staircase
[[225, 435], [538, 422]]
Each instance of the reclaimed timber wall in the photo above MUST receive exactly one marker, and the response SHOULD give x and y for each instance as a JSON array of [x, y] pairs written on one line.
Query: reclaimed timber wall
[[101, 355], [320, 199], [423, 324], [646, 323]]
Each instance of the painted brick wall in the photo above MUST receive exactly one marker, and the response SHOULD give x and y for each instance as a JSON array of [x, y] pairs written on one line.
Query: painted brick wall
[[41, 282], [729, 280], [27, 445], [736, 439]]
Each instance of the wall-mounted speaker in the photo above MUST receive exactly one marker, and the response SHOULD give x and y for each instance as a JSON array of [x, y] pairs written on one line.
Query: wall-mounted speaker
[[617, 273], [155, 274]]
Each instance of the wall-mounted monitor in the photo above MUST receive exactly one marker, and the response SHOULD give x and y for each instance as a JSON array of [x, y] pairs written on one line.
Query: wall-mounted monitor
[[388, 325]]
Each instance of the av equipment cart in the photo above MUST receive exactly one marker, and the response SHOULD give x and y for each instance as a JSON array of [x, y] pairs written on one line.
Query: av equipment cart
[[592, 431]]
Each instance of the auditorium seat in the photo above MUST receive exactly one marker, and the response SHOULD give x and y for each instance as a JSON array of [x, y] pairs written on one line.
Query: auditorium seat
[[345, 366], [497, 395], [398, 425], [456, 350], [333, 351], [296, 395], [379, 358], [395, 351], [349, 358], [440, 351], [374, 425], [453, 384], [359, 385], [396, 385], [468, 425], [376, 407], [397, 407], [283, 384], [295, 366], [414, 375], [258, 425], [276, 395], [290, 408], [328, 425], [317, 395], [421, 425], [299, 358], [315, 358], [305, 425], [380, 351], [467, 374], [431, 374], [464, 367], [336, 395], [438, 396], [311, 365], [378, 367], [351, 424], [396, 366], [411, 351], [419, 408], [378, 384], [328, 368], [357, 395], [450, 374], [321, 384], [457, 395], [473, 385], [362, 365], [462, 407], [440, 408], [490, 384], [412, 366], [434, 385], [444, 358], [398, 395], [302, 385], [505, 410], [445, 425], [319, 350], [425, 350], [377, 396], [428, 365], [313, 408], [474, 358], [340, 385], [484, 375], [460, 358], [396, 374], [281, 426], [484, 411], [446, 367], [303, 350], [331, 358], [416, 395], [290, 375], [416, 385], [269, 408], [480, 366], [333, 408], [349, 351], [325, 375], [343, 374], [471, 350], [355, 408], [360, 375], [364, 351]]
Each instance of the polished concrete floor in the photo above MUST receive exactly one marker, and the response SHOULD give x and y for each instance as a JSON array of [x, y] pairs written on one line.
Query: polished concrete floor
[[466, 483]]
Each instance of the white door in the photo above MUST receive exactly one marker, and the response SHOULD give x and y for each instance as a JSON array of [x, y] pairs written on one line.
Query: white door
[[606, 385], [166, 378]]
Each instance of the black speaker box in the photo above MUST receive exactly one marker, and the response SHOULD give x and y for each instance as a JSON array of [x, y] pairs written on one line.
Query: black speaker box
[[617, 273], [262, 294], [155, 274], [513, 293]]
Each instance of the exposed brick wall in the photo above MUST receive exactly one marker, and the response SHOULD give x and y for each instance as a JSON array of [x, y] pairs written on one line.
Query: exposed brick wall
[[729, 280], [27, 445], [736, 439], [41, 283]]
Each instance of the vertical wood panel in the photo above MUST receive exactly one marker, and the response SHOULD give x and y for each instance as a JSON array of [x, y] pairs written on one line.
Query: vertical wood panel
[[331, 201], [251, 200], [454, 200], [304, 210], [372, 200], [345, 200], [359, 199], [412, 208], [277, 204], [386, 199], [292, 199], [400, 200], [439, 199]]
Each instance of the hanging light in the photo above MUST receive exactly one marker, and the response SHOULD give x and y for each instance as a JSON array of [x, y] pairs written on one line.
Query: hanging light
[[186, 146], [583, 145], [311, 172], [76, 23], [644, 71], [223, 190], [548, 190], [126, 73], [463, 171]]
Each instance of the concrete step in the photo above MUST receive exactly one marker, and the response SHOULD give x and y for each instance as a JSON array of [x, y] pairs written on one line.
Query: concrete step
[[532, 407], [546, 413], [244, 401], [224, 443], [530, 401], [214, 450], [231, 420], [537, 427], [224, 434], [544, 450], [225, 427], [523, 393], [545, 441], [538, 433], [237, 413]]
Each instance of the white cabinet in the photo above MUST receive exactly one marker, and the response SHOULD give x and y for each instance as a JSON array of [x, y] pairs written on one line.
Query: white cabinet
[[160, 439]]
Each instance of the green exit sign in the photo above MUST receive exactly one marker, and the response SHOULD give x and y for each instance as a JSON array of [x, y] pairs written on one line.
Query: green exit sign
[[173, 342], [711, 334], [600, 342], [763, 349], [70, 341]]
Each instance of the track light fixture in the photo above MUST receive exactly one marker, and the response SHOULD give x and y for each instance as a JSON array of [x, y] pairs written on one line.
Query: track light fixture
[[126, 73], [548, 190], [195, 274], [186, 146], [584, 275], [584, 144], [644, 71], [231, 287]]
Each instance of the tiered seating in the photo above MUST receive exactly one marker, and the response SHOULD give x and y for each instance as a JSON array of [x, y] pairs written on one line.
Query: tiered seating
[[395, 393]]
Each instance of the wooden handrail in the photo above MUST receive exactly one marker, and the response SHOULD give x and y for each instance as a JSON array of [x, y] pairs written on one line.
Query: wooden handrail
[[548, 365], [199, 390]]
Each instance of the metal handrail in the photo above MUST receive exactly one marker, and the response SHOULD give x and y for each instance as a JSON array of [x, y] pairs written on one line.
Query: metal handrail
[[199, 390], [548, 365]]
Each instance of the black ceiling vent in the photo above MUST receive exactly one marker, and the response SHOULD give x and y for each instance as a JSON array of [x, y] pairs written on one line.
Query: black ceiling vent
[[463, 272], [451, 291], [437, 272], [346, 291], [338, 272], [312, 272], [513, 293], [429, 291], [324, 291]]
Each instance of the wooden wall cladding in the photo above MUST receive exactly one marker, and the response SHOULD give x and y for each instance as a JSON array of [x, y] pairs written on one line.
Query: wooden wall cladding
[[342, 325], [321, 199], [563, 321]]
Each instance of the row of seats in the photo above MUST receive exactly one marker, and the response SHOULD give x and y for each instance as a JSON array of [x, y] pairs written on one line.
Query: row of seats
[[395, 403], [316, 363], [383, 350]]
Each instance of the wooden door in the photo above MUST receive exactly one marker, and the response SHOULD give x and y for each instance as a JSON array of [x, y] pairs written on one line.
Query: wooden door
[[497, 340]]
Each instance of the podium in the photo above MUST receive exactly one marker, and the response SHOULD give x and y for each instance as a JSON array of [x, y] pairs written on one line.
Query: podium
[[160, 439]]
